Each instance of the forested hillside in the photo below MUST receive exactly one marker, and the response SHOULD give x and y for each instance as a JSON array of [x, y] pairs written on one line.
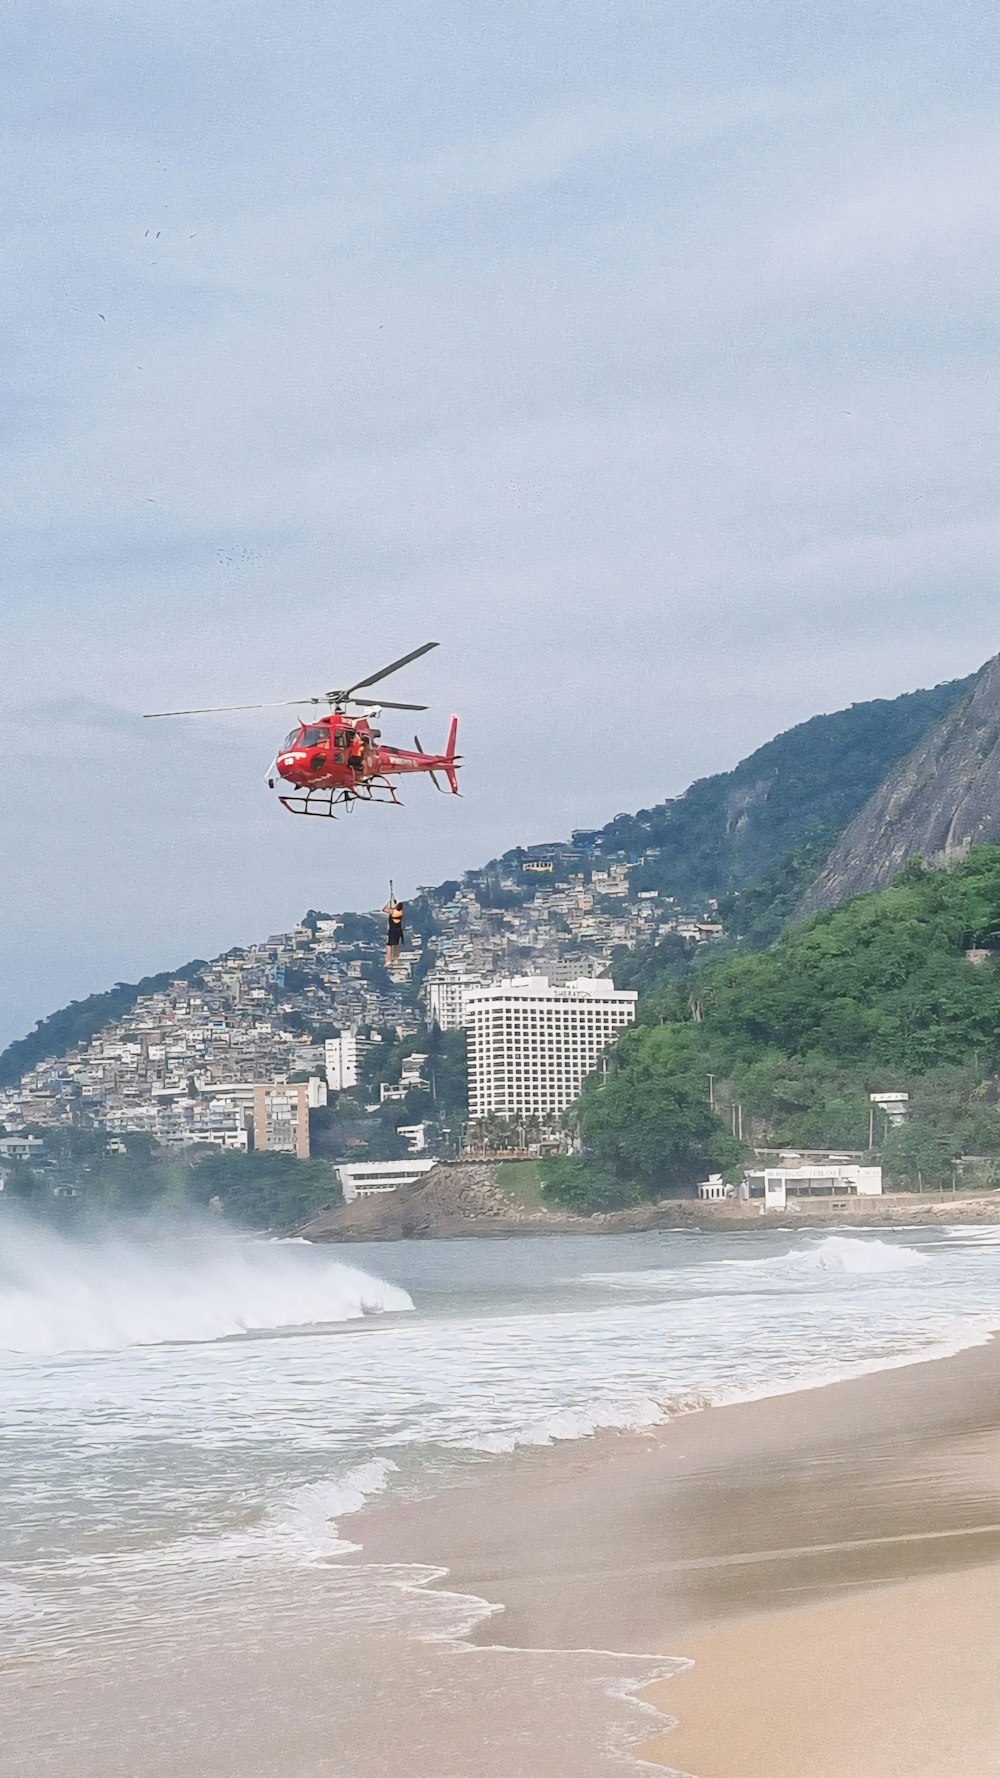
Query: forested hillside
[[879, 996]]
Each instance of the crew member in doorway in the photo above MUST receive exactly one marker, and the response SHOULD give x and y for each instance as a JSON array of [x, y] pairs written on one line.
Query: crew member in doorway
[[394, 912], [356, 753]]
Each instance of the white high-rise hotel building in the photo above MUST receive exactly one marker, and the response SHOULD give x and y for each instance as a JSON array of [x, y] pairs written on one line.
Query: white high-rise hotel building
[[531, 1046]]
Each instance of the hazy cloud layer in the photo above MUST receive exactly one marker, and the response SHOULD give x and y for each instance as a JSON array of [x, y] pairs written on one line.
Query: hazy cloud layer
[[644, 356]]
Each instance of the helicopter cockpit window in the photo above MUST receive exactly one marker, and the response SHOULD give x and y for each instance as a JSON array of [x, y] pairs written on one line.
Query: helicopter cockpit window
[[290, 739], [314, 737]]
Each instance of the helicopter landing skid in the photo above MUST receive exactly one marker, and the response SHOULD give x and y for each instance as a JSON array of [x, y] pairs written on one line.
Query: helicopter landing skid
[[325, 803]]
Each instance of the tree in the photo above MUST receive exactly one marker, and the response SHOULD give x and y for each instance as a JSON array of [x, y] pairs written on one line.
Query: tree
[[650, 1121], [263, 1189], [130, 1182], [579, 1185], [22, 1182], [916, 1156]]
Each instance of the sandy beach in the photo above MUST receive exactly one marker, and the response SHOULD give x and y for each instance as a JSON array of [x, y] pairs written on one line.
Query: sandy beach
[[899, 1682], [826, 1559]]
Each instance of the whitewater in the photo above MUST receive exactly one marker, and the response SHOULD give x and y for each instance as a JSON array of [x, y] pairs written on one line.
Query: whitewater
[[188, 1423], [75, 1296]]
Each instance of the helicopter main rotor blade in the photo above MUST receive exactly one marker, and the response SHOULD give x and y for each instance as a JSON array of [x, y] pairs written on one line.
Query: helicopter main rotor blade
[[330, 698], [383, 672], [222, 709], [381, 704]]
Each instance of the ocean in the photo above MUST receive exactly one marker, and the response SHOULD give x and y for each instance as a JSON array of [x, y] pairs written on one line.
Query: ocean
[[188, 1422]]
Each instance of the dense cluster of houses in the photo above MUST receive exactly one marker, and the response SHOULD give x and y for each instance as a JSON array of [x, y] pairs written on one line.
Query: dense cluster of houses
[[190, 1064]]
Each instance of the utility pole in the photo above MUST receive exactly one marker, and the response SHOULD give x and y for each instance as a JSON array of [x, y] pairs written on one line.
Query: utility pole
[[711, 1091]]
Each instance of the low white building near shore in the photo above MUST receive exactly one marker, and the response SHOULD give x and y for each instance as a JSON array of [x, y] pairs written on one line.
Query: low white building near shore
[[371, 1179], [825, 1179]]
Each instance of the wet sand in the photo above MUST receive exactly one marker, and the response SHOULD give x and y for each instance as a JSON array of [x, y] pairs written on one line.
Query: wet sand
[[825, 1557]]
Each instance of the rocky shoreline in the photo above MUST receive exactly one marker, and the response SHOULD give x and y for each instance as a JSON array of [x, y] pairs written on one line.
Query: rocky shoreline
[[459, 1198]]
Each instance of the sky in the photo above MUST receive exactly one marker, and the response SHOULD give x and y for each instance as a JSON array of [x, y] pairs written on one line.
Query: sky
[[645, 355]]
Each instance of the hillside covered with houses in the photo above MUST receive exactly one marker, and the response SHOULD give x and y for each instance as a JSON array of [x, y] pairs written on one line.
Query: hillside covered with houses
[[176, 1063]]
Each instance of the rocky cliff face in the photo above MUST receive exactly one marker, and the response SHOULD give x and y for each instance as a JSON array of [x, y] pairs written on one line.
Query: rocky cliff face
[[942, 799], [456, 1197]]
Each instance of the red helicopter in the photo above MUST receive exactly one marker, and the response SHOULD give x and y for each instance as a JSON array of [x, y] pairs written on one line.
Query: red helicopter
[[337, 760]]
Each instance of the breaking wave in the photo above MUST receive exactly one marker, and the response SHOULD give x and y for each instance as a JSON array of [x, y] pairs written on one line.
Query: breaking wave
[[66, 1296], [838, 1254]]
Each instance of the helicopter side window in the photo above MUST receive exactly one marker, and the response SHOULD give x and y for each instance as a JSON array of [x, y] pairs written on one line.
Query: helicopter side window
[[314, 737]]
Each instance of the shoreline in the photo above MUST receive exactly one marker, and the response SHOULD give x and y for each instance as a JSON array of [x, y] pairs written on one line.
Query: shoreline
[[451, 1212], [818, 1525]]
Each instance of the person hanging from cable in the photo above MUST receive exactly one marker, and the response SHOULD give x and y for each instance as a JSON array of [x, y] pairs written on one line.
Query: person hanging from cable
[[394, 937]]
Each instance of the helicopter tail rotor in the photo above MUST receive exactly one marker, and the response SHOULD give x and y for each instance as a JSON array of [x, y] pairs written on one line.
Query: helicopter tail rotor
[[452, 757]]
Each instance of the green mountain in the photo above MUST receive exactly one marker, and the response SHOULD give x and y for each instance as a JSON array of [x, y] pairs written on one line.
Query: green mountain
[[734, 829], [881, 995]]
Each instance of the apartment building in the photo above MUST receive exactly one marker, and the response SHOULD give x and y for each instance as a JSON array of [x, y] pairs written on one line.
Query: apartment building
[[281, 1119], [342, 1062], [532, 1045]]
